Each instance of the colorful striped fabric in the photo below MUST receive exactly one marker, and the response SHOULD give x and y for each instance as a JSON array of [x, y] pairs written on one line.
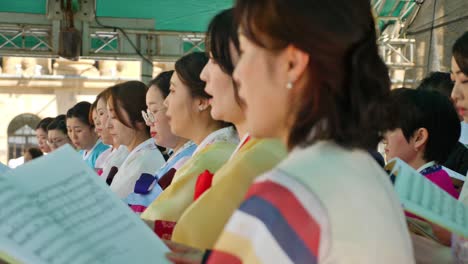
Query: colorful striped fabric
[[322, 204], [210, 155], [229, 187], [279, 222]]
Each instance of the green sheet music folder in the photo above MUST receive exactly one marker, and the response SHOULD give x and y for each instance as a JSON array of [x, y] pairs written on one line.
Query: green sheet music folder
[[423, 198]]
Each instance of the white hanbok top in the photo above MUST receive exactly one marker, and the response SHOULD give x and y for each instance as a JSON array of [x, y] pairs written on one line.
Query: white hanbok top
[[102, 158], [145, 158], [115, 159]]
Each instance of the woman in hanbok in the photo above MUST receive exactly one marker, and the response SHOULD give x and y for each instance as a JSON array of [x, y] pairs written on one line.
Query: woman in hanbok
[[115, 155], [310, 74], [82, 133], [216, 197], [460, 98], [57, 133], [127, 127], [94, 120], [188, 110], [148, 187]]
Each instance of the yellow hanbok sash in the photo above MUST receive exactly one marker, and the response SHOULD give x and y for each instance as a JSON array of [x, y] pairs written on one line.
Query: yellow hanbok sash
[[204, 220], [170, 205]]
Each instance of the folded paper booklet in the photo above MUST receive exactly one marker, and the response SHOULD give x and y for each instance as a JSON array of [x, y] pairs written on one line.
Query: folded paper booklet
[[421, 197], [56, 210]]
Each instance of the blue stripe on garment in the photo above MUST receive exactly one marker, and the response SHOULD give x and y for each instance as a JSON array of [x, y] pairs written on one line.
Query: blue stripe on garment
[[284, 235]]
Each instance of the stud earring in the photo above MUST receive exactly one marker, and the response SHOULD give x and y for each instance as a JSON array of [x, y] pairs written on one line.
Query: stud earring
[[289, 85]]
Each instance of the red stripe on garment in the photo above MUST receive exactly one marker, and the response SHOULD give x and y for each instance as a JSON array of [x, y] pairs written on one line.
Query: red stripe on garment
[[222, 257], [245, 141], [305, 226], [164, 229], [138, 208], [203, 183]]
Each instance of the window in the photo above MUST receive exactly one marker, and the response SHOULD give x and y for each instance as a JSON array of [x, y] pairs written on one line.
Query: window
[[21, 134]]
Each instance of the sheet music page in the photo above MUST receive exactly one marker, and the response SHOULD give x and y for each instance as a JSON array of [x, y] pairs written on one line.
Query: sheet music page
[[84, 221], [423, 198]]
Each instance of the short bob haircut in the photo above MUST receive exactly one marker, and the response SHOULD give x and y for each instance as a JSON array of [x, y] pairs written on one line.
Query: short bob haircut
[[81, 112], [460, 52], [437, 81], [345, 97], [162, 82], [433, 111], [129, 97]]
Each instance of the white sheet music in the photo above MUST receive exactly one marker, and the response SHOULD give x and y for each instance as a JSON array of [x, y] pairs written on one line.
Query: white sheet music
[[60, 212]]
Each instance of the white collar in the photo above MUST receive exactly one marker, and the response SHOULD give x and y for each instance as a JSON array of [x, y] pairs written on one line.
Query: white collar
[[227, 134], [244, 139], [184, 147], [86, 154], [147, 144], [427, 165]]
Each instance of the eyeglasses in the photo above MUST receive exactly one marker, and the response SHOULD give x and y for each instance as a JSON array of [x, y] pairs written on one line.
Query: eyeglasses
[[149, 117]]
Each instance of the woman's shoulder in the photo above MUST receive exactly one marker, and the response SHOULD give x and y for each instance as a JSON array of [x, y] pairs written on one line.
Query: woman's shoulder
[[264, 147], [330, 159], [216, 148], [150, 155]]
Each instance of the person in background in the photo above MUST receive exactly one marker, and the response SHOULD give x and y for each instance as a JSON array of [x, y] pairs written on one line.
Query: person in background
[[459, 74], [106, 138], [458, 158], [438, 81], [57, 133], [93, 117], [32, 153], [113, 157], [127, 127], [82, 133], [428, 129], [146, 189], [188, 111], [41, 134], [217, 197]]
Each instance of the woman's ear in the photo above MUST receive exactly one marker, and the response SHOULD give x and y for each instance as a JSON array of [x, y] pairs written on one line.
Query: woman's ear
[[202, 104], [298, 61], [420, 138]]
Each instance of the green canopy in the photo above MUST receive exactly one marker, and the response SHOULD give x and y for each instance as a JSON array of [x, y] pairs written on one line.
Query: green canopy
[[170, 15]]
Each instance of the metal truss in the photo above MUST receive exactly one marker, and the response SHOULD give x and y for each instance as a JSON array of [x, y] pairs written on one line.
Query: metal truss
[[38, 35], [396, 49], [398, 53], [24, 39]]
